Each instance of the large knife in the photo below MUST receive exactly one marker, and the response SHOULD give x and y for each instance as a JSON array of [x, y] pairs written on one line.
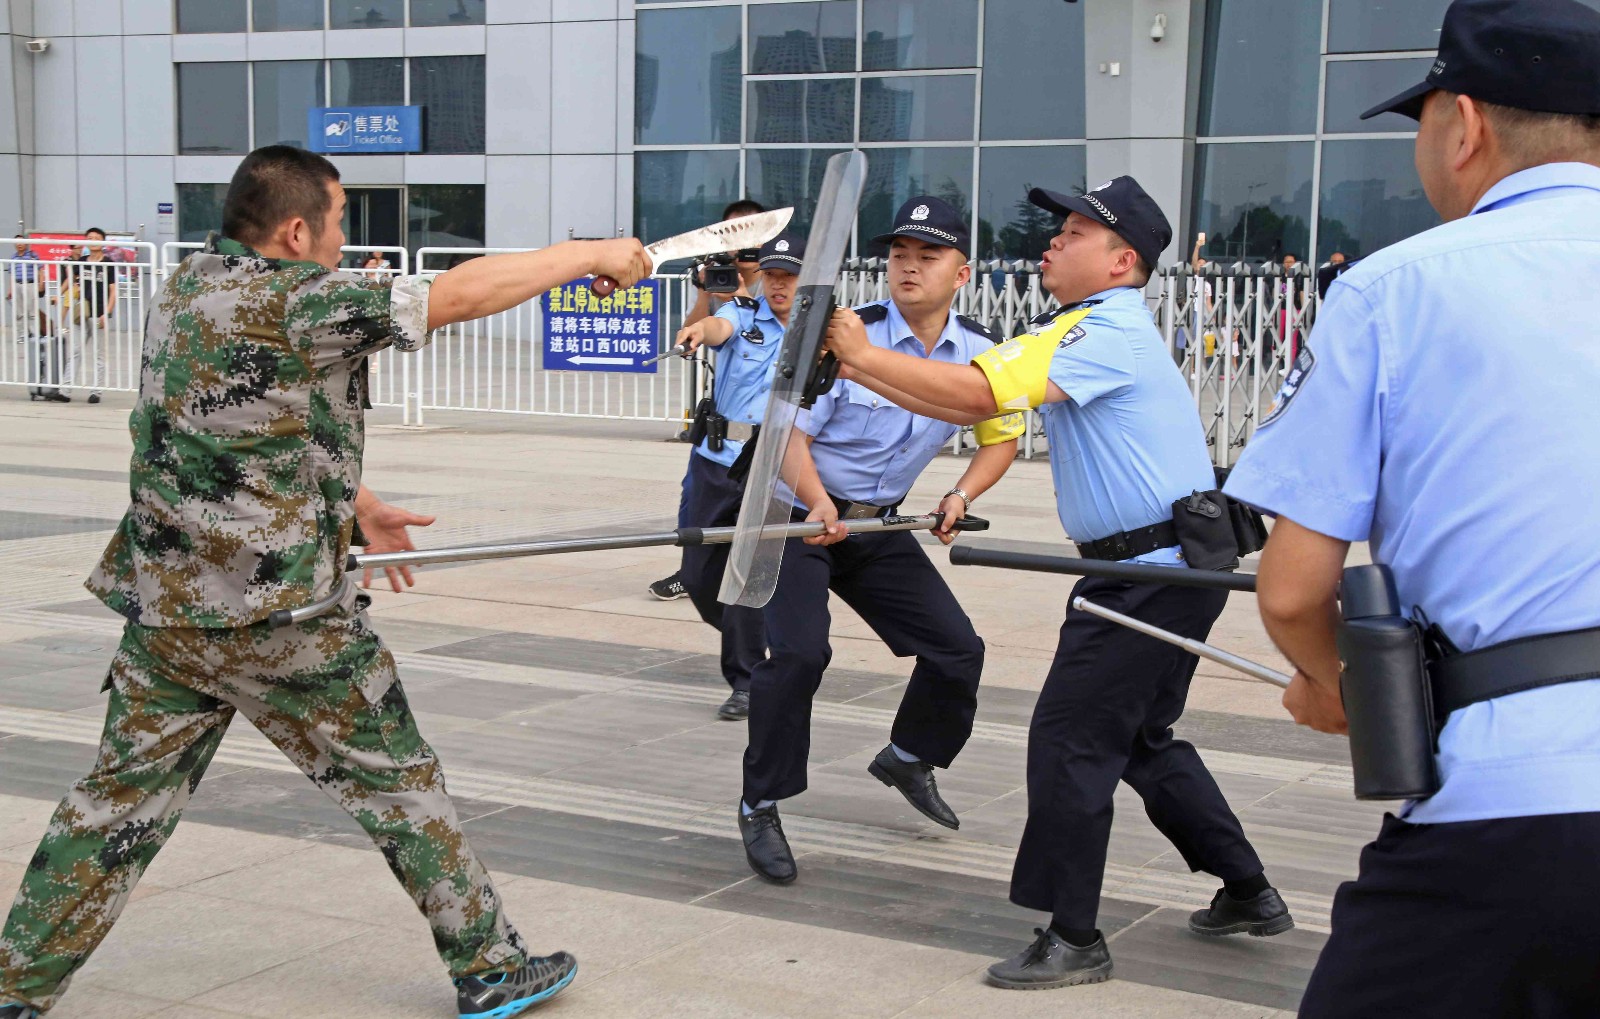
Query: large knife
[[728, 235]]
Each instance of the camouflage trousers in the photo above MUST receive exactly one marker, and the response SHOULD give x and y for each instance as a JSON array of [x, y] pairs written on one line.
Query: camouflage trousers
[[326, 694]]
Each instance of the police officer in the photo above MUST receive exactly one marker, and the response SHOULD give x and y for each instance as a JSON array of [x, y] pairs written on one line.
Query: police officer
[[857, 456], [246, 497], [747, 334], [1444, 411], [1125, 444]]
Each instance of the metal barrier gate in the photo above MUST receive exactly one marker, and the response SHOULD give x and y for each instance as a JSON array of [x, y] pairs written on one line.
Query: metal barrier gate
[[1233, 332]]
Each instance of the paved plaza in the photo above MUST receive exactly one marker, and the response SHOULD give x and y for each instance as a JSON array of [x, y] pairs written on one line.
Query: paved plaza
[[575, 719]]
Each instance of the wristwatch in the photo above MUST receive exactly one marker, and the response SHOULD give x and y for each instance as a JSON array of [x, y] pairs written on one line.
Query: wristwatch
[[966, 500]]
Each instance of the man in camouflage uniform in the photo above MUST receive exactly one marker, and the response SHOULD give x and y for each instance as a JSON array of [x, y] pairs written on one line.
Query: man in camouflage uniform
[[246, 496]]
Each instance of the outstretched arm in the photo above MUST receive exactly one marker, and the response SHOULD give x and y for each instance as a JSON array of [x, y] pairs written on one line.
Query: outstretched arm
[[494, 283], [958, 393]]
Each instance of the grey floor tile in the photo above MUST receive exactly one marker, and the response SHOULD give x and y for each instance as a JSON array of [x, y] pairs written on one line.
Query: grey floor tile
[[479, 699], [17, 526], [1265, 971], [590, 656]]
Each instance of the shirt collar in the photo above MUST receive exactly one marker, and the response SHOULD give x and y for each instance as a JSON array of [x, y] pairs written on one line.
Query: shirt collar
[[900, 332], [1539, 178], [216, 244]]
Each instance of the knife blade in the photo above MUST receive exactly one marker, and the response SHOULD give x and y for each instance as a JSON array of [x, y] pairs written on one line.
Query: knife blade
[[728, 235]]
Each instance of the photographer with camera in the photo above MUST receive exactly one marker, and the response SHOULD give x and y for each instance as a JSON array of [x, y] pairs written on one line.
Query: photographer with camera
[[721, 279]]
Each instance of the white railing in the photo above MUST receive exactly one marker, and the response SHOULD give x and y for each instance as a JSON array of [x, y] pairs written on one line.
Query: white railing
[[1233, 332], [60, 330]]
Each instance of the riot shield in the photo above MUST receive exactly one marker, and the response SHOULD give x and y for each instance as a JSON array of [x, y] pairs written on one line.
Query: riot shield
[[757, 552]]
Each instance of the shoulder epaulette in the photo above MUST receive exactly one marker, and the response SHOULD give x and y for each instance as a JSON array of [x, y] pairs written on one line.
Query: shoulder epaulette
[[873, 312], [748, 303], [974, 326], [1044, 318]]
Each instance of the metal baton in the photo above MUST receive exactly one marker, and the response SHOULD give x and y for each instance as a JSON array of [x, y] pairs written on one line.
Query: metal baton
[[681, 537], [680, 351], [1189, 644]]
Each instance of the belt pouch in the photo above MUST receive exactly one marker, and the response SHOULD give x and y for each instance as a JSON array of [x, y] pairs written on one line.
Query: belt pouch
[[1387, 698], [697, 429], [1205, 531]]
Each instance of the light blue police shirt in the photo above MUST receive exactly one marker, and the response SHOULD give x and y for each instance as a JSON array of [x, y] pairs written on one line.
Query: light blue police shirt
[[1126, 443], [744, 366], [1448, 411], [869, 449]]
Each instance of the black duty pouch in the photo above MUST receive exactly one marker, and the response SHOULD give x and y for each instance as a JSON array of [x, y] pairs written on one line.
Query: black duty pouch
[[716, 431], [1204, 528], [702, 412], [1249, 529], [740, 468]]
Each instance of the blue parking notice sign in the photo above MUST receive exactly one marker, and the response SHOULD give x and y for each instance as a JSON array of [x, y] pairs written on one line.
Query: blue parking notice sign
[[364, 129], [616, 333]]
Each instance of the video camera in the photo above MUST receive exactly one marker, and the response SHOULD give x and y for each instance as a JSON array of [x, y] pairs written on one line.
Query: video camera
[[718, 274]]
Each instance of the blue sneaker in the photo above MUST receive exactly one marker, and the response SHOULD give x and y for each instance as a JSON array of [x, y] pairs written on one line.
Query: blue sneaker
[[504, 995], [17, 1010]]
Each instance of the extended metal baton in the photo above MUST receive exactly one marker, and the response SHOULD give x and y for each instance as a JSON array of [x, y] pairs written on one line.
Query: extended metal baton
[[679, 351], [1137, 573], [681, 537]]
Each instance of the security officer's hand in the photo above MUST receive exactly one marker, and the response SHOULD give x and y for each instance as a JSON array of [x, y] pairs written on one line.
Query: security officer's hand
[[954, 508], [623, 259], [692, 337], [1312, 703], [828, 513], [847, 336]]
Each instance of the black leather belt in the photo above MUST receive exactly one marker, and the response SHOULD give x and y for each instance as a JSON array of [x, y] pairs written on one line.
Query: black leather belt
[[1514, 666], [860, 510], [1130, 544]]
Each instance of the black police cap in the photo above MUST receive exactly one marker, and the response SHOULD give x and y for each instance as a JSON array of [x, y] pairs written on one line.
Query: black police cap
[[930, 219], [1541, 55], [1123, 206], [785, 251]]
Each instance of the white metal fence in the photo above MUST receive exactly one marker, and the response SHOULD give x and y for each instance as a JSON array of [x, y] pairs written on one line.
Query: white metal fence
[[1233, 332]]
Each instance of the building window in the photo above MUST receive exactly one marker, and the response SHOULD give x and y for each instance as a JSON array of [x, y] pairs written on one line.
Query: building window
[[1032, 70], [285, 91], [211, 16], [779, 178], [895, 174], [917, 108], [213, 100], [1260, 67], [444, 216], [286, 15], [903, 35], [686, 76], [1371, 196], [430, 13], [1010, 226], [678, 191], [376, 81], [366, 13], [1355, 86], [200, 210], [803, 38], [1253, 200], [451, 90], [813, 110], [1362, 26]]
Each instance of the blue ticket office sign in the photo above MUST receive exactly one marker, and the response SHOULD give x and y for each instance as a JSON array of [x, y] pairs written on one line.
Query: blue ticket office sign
[[616, 333], [358, 130]]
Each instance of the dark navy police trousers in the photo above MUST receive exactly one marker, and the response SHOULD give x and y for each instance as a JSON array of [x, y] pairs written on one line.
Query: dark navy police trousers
[[711, 499], [889, 581]]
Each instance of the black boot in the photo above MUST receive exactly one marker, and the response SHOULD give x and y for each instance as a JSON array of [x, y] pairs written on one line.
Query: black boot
[[765, 845], [914, 779], [1051, 962], [1260, 917]]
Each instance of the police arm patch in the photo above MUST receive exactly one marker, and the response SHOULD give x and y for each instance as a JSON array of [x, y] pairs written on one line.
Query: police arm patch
[[1304, 362]]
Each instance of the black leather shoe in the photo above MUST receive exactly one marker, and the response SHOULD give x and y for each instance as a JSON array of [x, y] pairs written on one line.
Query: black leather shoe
[[94, 397], [1260, 917], [765, 845], [914, 779], [57, 396], [736, 708], [1051, 962]]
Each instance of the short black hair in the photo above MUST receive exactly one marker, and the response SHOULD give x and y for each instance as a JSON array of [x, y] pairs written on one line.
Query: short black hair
[[743, 207], [95, 230], [274, 184]]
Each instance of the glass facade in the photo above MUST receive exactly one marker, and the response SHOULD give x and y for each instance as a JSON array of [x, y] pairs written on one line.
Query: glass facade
[[444, 216], [752, 97], [211, 15], [366, 13], [286, 15], [443, 13], [285, 90], [451, 91], [373, 81], [200, 210], [1278, 172], [212, 99]]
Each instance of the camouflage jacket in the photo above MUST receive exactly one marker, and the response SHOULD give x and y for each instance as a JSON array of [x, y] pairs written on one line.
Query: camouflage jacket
[[247, 436]]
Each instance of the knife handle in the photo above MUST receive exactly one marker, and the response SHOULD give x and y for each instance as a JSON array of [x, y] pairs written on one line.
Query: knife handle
[[602, 286]]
